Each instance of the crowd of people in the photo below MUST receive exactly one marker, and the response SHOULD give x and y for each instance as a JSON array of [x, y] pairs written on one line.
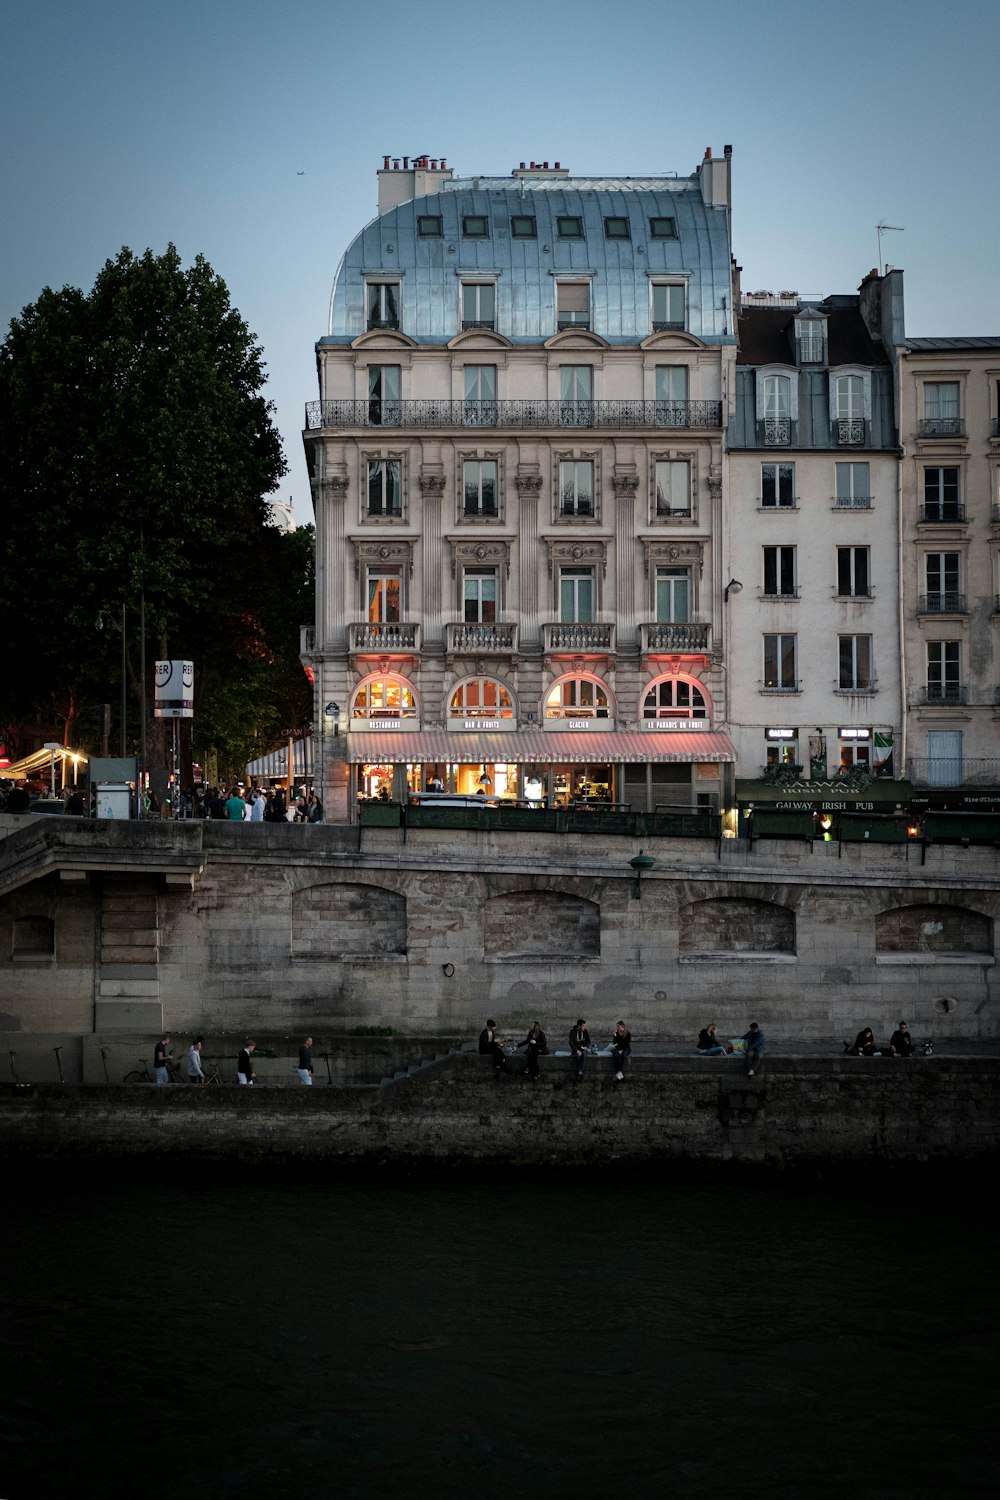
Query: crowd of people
[[750, 1045], [236, 804], [492, 1044], [164, 1066], [901, 1044]]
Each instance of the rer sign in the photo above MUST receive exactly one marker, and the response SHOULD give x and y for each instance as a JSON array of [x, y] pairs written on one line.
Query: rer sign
[[174, 690]]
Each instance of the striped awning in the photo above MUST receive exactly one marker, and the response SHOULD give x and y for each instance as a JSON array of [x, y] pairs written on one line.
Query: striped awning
[[535, 746], [274, 767]]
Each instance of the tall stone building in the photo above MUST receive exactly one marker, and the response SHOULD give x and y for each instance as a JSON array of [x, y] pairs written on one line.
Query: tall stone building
[[950, 418], [517, 468], [813, 545]]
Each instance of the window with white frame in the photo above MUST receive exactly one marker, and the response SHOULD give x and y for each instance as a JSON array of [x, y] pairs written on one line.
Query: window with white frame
[[672, 487], [857, 670], [854, 572], [942, 571], [576, 596], [777, 410], [479, 304], [383, 304], [855, 749], [572, 304], [479, 589], [673, 595], [385, 595], [576, 487], [674, 698], [481, 698], [780, 674], [671, 395], [479, 486], [777, 486], [849, 408], [384, 697], [385, 487], [781, 746], [942, 495], [854, 490], [480, 396], [779, 572], [576, 395], [578, 698], [384, 390], [668, 306], [942, 409], [944, 671], [810, 336]]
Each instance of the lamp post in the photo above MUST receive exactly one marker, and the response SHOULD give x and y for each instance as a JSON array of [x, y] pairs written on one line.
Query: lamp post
[[99, 625], [640, 862]]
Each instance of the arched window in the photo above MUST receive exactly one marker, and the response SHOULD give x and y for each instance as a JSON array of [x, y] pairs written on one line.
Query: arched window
[[481, 698], [384, 697], [675, 698], [578, 698]]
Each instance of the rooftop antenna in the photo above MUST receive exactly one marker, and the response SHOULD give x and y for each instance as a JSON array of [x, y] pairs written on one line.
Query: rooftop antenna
[[882, 228]]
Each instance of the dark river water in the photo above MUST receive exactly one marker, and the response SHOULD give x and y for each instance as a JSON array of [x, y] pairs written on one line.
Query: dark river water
[[183, 1330]]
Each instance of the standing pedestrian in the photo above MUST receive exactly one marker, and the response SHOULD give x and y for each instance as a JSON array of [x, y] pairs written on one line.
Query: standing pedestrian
[[196, 1073], [579, 1046], [244, 1063], [306, 1061], [161, 1054]]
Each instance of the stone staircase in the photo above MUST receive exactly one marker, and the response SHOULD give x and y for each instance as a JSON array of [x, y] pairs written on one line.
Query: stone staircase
[[128, 983], [427, 1067]]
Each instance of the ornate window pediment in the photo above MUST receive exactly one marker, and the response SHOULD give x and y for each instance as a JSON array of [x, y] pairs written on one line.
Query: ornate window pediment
[[674, 554], [371, 554], [479, 554], [566, 554]]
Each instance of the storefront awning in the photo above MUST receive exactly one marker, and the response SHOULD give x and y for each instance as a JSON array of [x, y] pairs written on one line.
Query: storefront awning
[[275, 766], [536, 746]]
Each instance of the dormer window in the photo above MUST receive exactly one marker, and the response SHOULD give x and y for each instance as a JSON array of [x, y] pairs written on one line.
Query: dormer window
[[809, 333]]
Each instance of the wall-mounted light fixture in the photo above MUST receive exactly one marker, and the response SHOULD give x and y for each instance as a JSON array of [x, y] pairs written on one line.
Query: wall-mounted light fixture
[[640, 862], [732, 587]]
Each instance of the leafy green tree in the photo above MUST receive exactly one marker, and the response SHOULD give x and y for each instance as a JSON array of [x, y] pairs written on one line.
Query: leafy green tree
[[136, 452]]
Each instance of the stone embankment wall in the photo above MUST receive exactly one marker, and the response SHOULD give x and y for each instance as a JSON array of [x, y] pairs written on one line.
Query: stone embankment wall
[[209, 927], [668, 1109]]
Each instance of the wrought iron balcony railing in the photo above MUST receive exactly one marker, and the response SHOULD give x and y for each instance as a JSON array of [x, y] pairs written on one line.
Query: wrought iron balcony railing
[[307, 640], [852, 502], [676, 636], [629, 415], [383, 635], [578, 637], [776, 432], [942, 511], [497, 638], [952, 770], [941, 427], [470, 323], [849, 432], [941, 604], [943, 692]]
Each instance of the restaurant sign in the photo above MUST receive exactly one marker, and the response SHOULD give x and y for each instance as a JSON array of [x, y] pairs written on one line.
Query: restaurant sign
[[689, 726]]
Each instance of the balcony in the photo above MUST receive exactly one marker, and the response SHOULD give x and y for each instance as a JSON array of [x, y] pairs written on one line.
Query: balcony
[[388, 637], [942, 512], [852, 502], [775, 432], [627, 415], [952, 770], [941, 604], [567, 321], [849, 432], [674, 638], [468, 324], [307, 640], [494, 639], [578, 639], [941, 427], [941, 692]]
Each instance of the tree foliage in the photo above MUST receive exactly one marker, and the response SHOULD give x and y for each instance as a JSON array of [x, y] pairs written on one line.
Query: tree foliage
[[136, 454]]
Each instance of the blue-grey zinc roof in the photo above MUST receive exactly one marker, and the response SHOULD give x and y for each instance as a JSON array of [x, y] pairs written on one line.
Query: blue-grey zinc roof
[[430, 269]]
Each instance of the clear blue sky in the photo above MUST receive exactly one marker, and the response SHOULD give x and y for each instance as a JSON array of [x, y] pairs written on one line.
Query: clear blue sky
[[133, 124]]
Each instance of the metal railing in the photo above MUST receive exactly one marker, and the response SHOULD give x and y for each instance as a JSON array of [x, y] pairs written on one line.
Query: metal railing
[[307, 640], [941, 427], [852, 502], [942, 692], [776, 432], [578, 637], [952, 770], [383, 635], [941, 604], [673, 636], [480, 639], [644, 415], [942, 511], [849, 432]]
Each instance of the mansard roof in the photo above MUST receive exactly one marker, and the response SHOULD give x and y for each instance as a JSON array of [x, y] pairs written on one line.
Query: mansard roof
[[767, 335]]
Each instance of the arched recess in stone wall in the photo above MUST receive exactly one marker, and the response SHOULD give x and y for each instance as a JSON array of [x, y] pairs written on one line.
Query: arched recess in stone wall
[[343, 920], [736, 924], [541, 927], [933, 929]]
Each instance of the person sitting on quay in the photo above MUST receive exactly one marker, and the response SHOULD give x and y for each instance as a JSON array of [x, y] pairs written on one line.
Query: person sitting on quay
[[901, 1042], [621, 1050], [754, 1039], [536, 1045], [864, 1044], [709, 1044], [579, 1046]]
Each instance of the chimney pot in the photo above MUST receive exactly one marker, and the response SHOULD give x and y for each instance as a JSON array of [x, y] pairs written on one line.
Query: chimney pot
[[522, 167], [406, 163], [444, 165], [727, 150], [385, 164], [545, 165], [395, 164], [434, 165], [557, 166], [708, 153]]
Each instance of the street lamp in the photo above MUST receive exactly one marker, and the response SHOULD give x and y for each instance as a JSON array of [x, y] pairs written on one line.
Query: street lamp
[[640, 862], [99, 625]]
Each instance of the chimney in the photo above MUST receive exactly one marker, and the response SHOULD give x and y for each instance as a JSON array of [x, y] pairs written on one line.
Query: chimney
[[418, 180]]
